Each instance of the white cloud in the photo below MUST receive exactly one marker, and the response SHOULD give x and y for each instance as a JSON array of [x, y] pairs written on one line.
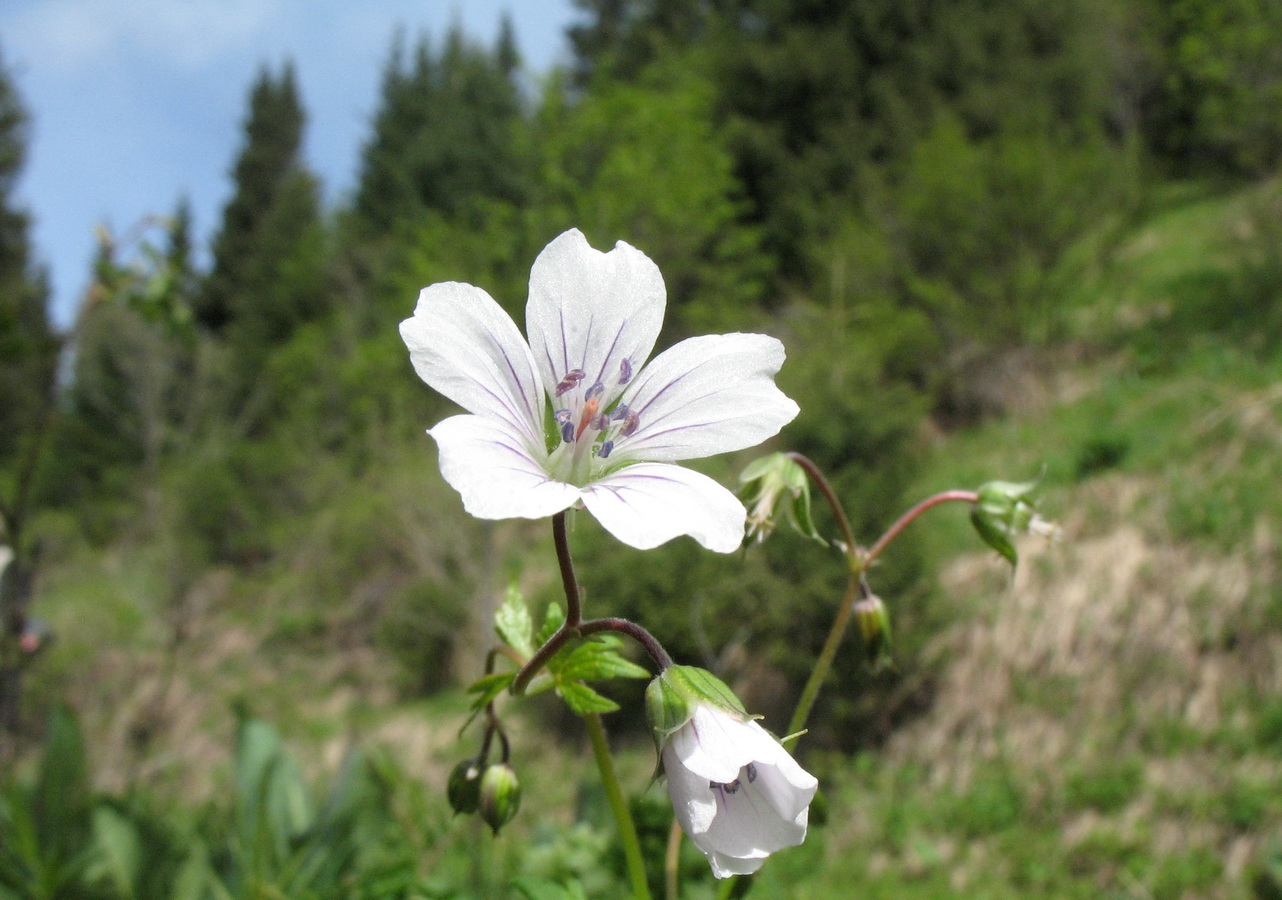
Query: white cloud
[[75, 35]]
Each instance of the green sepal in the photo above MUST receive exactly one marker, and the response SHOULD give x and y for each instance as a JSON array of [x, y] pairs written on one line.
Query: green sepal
[[672, 697], [992, 535], [782, 492]]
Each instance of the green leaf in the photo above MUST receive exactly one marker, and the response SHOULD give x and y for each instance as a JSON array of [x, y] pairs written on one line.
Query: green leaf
[[538, 889], [119, 849], [583, 700], [488, 687], [594, 660], [513, 623], [552, 620]]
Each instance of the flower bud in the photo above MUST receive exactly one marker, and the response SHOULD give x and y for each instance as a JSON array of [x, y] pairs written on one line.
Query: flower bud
[[500, 795], [464, 787], [782, 493], [1002, 510], [873, 622]]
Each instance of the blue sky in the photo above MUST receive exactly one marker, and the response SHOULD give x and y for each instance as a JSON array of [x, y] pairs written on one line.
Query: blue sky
[[138, 102]]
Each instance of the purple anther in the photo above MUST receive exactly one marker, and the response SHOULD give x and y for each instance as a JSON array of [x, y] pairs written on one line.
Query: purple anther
[[625, 371], [562, 416], [600, 421], [595, 391], [619, 412], [571, 379], [567, 432], [605, 449], [631, 422]]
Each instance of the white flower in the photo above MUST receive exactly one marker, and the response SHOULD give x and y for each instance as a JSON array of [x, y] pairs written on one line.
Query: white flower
[[735, 790], [612, 430]]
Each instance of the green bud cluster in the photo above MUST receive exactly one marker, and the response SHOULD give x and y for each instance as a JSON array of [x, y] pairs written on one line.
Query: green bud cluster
[[873, 621], [491, 791]]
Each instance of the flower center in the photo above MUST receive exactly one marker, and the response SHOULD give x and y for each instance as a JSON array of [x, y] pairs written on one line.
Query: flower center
[[749, 772], [588, 425]]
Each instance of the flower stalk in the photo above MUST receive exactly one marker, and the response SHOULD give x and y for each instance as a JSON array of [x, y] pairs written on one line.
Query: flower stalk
[[619, 807]]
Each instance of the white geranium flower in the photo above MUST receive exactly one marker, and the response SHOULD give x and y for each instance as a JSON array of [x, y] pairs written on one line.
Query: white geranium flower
[[736, 791], [613, 428]]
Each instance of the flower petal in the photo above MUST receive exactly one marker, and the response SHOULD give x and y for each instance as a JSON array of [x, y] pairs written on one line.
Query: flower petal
[[706, 395], [693, 801], [464, 345], [646, 504], [592, 311], [715, 745], [485, 460], [724, 866]]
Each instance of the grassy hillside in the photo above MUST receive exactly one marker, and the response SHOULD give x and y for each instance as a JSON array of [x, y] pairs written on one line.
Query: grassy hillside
[[1105, 723]]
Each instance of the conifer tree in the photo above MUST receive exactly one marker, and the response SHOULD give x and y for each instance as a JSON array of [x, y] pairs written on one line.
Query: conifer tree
[[267, 273], [445, 134], [28, 360]]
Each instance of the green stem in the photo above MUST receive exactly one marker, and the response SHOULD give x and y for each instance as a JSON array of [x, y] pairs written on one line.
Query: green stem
[[810, 693], [619, 806]]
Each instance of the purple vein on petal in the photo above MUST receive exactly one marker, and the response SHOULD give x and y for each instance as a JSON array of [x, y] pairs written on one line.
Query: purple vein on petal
[[600, 375]]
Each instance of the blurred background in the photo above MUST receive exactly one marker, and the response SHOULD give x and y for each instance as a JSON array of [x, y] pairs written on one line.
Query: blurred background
[[999, 239]]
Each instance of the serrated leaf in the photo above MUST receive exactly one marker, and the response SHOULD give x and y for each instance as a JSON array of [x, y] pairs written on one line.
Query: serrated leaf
[[487, 687], [552, 620], [583, 700], [595, 660], [993, 536], [513, 623]]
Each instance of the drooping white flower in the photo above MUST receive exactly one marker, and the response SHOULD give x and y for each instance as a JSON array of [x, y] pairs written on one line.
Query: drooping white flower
[[576, 415], [737, 793]]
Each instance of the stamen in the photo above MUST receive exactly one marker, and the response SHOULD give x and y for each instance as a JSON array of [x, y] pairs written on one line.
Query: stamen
[[571, 379], [567, 432], [589, 413], [603, 452], [595, 391], [631, 422], [600, 421], [562, 416], [625, 371], [751, 770], [731, 788]]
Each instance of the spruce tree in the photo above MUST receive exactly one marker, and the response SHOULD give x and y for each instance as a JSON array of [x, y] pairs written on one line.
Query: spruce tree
[[267, 274], [445, 134]]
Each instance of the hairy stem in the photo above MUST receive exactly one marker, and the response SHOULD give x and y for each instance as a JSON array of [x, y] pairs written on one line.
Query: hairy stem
[[906, 518], [634, 631]]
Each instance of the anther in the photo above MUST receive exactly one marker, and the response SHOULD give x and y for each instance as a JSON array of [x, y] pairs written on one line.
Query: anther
[[625, 371], [562, 416], [603, 452], [567, 432], [600, 421], [571, 379], [619, 412], [595, 391], [751, 771], [631, 421]]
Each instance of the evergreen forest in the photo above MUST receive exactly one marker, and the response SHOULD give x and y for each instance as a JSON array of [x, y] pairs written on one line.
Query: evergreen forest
[[999, 239]]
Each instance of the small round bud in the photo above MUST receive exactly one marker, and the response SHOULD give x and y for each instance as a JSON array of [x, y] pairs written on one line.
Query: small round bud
[[500, 795], [464, 787], [873, 622]]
